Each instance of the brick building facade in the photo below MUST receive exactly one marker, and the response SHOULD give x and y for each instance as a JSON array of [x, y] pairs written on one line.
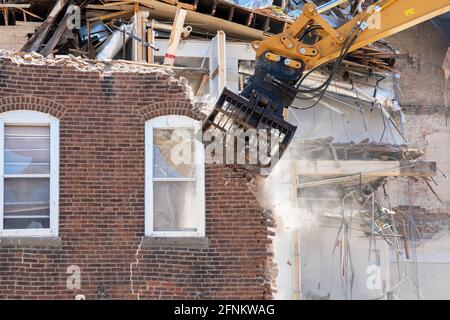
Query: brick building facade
[[102, 115]]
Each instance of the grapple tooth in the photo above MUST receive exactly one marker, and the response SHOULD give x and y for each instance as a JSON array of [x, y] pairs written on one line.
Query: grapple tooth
[[233, 111]]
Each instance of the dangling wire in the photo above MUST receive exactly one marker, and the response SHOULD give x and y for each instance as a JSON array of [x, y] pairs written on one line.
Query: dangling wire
[[321, 90]]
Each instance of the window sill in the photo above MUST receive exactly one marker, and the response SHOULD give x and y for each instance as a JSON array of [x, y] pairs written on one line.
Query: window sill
[[176, 242], [18, 241]]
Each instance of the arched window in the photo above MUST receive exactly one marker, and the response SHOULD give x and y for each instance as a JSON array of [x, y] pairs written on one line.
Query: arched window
[[29, 166], [174, 184]]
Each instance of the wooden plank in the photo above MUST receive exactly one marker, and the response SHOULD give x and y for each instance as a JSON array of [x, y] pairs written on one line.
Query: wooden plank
[[175, 36], [328, 168], [15, 6], [296, 265], [173, 2], [28, 24], [56, 36], [218, 61], [89, 42], [6, 16], [139, 28], [31, 14], [35, 42], [202, 84], [145, 36], [297, 286], [110, 16], [231, 14], [111, 6], [151, 40]]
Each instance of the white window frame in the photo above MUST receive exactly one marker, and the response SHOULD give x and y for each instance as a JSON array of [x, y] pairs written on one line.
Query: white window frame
[[33, 118], [169, 122]]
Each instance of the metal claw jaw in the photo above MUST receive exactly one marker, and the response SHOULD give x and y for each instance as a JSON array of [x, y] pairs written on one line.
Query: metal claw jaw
[[249, 131]]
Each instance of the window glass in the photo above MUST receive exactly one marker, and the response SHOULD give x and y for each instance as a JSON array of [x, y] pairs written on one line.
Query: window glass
[[175, 206], [27, 150], [175, 187], [26, 203], [173, 153], [27, 178]]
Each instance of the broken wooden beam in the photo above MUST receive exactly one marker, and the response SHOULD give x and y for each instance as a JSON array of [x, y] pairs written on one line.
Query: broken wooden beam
[[110, 15], [31, 14], [139, 29], [35, 42], [330, 168], [56, 36], [187, 4], [218, 65], [14, 6], [175, 36], [151, 40], [5, 12]]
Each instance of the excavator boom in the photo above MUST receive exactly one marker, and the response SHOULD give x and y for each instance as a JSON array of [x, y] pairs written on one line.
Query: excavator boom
[[307, 44], [382, 20]]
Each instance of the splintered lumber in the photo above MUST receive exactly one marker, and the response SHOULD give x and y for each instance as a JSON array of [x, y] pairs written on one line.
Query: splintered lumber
[[246, 24], [56, 36], [406, 168], [189, 5], [13, 6], [218, 65], [35, 42], [321, 148], [110, 16], [5, 15], [175, 36], [26, 12], [139, 28]]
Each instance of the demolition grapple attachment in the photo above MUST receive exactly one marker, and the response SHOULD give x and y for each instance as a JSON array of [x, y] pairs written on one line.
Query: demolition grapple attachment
[[258, 109], [234, 113]]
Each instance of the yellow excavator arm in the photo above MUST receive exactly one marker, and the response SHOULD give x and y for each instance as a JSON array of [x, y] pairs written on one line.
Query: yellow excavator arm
[[378, 21], [305, 45]]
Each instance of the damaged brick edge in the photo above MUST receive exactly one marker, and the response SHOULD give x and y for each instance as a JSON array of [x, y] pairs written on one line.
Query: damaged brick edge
[[107, 68]]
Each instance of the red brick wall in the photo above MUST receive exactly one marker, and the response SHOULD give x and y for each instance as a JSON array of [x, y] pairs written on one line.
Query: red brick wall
[[102, 197]]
